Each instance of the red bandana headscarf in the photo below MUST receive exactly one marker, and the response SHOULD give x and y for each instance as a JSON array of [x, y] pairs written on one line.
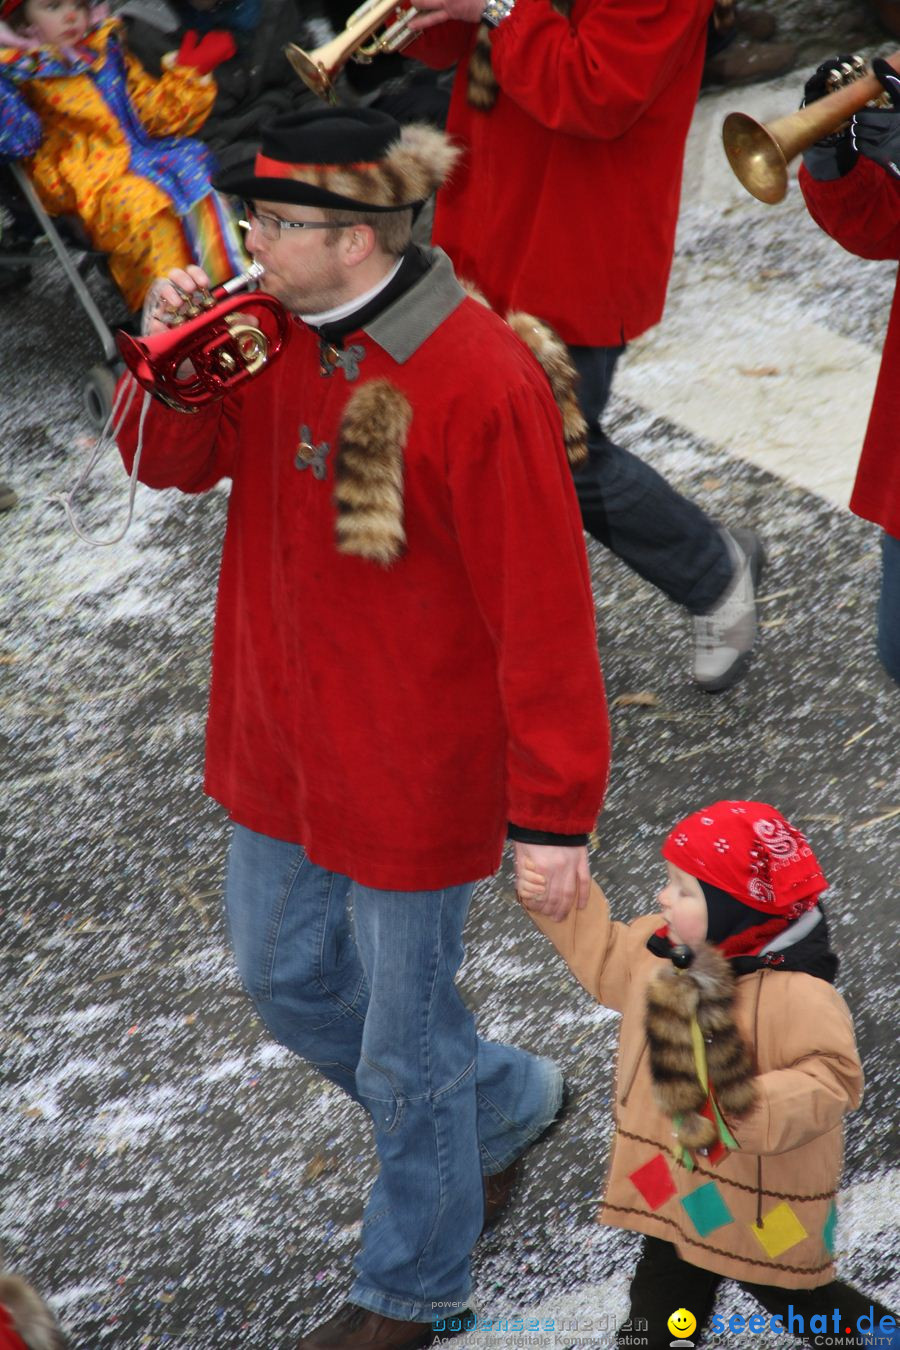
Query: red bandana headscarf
[[749, 850], [7, 9]]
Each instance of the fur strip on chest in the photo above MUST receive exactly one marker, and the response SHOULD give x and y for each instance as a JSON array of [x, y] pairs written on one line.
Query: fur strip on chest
[[369, 473], [552, 355], [705, 991], [482, 86]]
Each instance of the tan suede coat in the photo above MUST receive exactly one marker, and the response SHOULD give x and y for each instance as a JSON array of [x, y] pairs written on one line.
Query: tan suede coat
[[765, 1213]]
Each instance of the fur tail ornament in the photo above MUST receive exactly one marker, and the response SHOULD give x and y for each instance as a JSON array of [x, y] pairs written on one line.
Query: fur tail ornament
[[699, 1063], [369, 475], [551, 354]]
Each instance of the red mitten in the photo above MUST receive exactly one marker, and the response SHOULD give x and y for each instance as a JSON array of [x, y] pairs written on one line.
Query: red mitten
[[207, 52]]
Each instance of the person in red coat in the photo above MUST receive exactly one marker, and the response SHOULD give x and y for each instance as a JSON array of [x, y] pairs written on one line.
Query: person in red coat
[[404, 671], [851, 184], [572, 117]]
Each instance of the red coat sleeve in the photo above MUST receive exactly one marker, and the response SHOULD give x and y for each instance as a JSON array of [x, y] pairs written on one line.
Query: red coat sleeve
[[443, 45], [190, 451], [519, 529], [861, 211], [595, 79]]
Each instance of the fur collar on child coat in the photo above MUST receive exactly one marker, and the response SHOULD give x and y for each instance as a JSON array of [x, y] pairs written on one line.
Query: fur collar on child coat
[[704, 991], [25, 1320]]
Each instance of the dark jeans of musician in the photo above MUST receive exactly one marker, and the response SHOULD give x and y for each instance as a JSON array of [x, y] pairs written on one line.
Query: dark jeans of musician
[[634, 512], [889, 606], [663, 1283]]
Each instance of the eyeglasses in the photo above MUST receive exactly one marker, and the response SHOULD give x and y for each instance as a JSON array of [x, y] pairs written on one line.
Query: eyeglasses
[[271, 226]]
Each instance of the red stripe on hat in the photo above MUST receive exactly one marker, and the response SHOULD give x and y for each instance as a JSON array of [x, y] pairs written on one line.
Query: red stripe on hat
[[278, 168], [9, 7]]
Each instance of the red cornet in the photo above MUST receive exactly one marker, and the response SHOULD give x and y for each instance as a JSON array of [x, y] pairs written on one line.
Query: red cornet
[[220, 340]]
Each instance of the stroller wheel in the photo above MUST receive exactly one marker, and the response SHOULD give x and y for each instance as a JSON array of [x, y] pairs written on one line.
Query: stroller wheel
[[97, 393]]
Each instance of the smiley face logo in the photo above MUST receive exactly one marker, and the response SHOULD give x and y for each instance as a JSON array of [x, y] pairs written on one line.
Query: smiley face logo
[[682, 1323]]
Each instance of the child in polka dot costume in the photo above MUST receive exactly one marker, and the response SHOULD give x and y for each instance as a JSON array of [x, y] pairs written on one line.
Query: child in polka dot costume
[[106, 142]]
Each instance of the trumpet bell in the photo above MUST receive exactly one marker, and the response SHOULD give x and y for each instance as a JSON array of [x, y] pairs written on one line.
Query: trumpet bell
[[312, 70], [360, 41], [200, 361], [759, 155], [755, 157]]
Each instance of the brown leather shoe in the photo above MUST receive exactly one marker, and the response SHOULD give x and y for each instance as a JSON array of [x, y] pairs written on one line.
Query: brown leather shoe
[[499, 1188], [746, 62], [355, 1328], [888, 12], [758, 24]]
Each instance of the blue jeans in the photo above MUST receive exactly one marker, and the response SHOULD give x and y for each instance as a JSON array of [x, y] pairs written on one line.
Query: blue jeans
[[889, 606], [634, 512], [360, 983]]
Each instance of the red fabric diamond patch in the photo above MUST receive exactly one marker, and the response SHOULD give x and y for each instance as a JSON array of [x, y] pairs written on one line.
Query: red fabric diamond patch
[[654, 1181]]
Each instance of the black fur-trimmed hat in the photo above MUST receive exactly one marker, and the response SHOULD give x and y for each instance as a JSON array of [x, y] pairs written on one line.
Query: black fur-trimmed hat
[[356, 158]]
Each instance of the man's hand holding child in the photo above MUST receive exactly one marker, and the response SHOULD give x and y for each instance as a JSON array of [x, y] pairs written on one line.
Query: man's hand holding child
[[551, 878]]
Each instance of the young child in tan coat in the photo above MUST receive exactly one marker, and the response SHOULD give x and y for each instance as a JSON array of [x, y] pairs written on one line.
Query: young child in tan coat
[[737, 1063]]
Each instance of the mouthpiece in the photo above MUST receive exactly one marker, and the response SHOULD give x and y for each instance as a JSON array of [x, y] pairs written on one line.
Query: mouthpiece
[[245, 281]]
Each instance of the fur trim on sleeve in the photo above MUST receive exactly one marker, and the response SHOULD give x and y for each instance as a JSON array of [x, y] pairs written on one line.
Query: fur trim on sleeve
[[32, 1320], [705, 990], [369, 473], [551, 354]]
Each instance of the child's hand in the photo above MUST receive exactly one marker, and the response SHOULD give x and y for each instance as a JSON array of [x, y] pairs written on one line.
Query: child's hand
[[530, 883], [551, 878]]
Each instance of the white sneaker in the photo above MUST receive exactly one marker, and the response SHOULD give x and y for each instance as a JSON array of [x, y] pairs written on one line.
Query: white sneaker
[[724, 637]]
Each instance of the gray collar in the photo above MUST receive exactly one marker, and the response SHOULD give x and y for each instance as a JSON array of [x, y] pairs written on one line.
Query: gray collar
[[794, 932], [402, 328]]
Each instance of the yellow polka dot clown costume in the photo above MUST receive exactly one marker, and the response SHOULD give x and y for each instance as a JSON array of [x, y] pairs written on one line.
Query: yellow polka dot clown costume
[[104, 141]]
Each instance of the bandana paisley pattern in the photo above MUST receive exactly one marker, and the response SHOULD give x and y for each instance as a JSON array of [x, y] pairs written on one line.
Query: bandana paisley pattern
[[749, 850]]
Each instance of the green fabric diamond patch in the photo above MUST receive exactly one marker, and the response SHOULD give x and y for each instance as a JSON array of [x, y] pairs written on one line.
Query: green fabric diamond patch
[[706, 1209]]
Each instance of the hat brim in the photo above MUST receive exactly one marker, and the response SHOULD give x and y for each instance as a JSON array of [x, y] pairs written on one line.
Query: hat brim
[[242, 182]]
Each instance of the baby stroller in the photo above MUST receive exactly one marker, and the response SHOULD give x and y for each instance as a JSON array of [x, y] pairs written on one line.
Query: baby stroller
[[68, 241]]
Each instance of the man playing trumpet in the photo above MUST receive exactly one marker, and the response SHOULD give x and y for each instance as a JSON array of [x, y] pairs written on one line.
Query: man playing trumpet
[[404, 662], [851, 183], [573, 117]]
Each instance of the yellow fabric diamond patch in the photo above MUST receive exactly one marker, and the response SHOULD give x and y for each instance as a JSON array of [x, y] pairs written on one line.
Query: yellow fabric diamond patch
[[780, 1230]]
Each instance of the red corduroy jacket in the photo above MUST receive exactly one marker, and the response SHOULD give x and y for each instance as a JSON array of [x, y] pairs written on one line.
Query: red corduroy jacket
[[862, 212], [566, 201], [393, 718]]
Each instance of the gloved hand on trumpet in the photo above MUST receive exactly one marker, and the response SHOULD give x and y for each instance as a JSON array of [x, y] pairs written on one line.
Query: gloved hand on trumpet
[[834, 155], [873, 131]]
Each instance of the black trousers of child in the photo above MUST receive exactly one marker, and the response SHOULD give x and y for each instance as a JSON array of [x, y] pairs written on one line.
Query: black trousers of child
[[663, 1282]]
